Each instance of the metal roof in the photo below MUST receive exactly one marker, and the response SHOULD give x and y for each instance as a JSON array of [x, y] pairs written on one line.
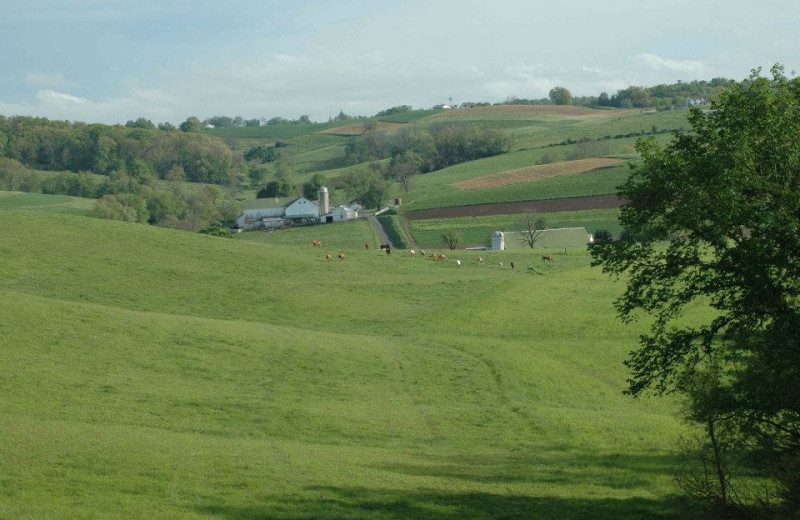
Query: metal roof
[[270, 203]]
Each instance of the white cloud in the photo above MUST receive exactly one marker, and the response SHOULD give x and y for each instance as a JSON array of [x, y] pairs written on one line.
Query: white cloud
[[659, 63], [51, 97]]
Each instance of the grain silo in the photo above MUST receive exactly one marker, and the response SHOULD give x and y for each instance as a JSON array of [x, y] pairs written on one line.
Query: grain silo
[[324, 204], [498, 241]]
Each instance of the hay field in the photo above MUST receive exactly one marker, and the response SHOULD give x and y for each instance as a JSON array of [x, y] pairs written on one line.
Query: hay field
[[536, 172]]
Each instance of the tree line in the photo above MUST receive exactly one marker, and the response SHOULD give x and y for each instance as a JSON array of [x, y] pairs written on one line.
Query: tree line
[[660, 96], [442, 145], [122, 196], [62, 145]]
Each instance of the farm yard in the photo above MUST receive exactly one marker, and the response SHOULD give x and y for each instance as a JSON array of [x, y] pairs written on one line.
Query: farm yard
[[204, 377]]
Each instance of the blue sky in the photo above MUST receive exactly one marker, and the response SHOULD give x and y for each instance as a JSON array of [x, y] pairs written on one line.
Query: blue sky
[[110, 61]]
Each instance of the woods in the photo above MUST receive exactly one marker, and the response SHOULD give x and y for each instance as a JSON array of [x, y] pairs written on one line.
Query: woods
[[64, 146]]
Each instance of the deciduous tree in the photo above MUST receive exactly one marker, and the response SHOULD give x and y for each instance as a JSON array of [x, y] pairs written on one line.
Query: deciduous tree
[[716, 216]]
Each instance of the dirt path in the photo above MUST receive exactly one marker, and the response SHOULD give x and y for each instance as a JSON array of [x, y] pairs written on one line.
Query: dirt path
[[505, 208], [379, 228]]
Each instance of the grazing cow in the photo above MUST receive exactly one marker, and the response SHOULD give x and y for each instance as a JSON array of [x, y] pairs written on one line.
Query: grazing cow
[[388, 249], [413, 253], [383, 246], [328, 256], [366, 246], [421, 252], [480, 261], [316, 243], [512, 265], [547, 258], [443, 257], [458, 263], [341, 255]]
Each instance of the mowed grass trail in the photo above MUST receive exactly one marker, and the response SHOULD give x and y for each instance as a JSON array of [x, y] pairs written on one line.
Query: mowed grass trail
[[156, 373]]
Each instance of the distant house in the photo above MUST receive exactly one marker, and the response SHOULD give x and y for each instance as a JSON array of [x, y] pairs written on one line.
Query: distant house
[[442, 106], [696, 101], [276, 212]]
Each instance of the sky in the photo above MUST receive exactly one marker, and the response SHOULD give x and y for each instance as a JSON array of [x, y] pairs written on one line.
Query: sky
[[111, 61]]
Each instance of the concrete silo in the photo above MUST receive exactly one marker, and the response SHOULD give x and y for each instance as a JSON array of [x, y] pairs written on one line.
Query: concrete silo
[[324, 204], [498, 241]]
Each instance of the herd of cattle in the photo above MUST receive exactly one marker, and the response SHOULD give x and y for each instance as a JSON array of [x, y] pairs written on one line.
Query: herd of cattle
[[413, 252]]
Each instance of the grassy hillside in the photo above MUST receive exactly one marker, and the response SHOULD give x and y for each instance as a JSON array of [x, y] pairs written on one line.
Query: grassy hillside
[[157, 373]]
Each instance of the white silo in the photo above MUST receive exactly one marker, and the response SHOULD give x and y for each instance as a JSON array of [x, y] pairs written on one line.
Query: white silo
[[498, 241], [324, 204]]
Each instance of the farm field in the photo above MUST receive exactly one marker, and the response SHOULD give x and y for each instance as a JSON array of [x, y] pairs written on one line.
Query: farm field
[[359, 128], [478, 230], [537, 172], [158, 373]]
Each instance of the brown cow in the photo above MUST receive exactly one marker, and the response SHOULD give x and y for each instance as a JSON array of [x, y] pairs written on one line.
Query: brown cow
[[366, 246], [341, 255], [547, 258], [443, 257], [316, 243], [328, 256]]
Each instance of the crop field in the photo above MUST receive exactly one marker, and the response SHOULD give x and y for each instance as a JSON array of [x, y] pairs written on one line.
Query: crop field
[[536, 172], [152, 373], [595, 183], [478, 230], [359, 128]]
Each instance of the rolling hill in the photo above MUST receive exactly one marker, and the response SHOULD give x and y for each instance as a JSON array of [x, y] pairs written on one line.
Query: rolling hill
[[152, 372]]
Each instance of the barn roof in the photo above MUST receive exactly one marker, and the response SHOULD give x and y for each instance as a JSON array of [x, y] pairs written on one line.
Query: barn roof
[[270, 203]]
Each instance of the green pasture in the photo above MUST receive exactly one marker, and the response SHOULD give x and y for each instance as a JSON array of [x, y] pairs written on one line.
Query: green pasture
[[16, 200], [478, 230], [157, 373], [335, 236]]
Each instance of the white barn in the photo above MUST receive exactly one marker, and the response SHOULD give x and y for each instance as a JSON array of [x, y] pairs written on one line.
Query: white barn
[[275, 212], [340, 214]]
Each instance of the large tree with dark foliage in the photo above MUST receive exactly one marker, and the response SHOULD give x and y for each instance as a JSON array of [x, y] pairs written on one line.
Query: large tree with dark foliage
[[715, 221]]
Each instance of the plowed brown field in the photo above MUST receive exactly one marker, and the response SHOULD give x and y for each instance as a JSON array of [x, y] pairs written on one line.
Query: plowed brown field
[[533, 173], [358, 128], [539, 206]]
